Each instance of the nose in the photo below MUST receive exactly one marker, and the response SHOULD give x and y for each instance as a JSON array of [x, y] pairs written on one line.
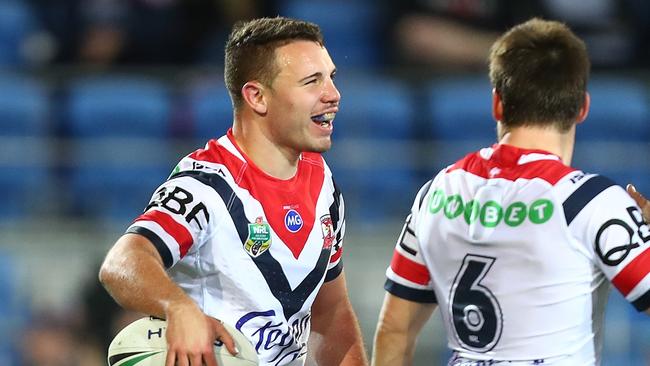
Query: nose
[[330, 93]]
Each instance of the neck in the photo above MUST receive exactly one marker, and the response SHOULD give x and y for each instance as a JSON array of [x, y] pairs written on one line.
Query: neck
[[547, 139], [261, 149]]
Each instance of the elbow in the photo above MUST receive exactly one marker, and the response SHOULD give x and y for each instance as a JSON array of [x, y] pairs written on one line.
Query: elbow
[[104, 275], [387, 327], [395, 335], [107, 276], [385, 333]]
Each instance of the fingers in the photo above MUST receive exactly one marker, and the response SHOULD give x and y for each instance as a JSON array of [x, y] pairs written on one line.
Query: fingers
[[196, 360], [640, 200], [638, 197], [210, 359], [171, 358], [229, 342], [199, 359], [223, 336]]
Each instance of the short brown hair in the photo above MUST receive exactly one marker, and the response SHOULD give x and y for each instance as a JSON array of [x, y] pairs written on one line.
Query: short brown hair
[[540, 70], [250, 50]]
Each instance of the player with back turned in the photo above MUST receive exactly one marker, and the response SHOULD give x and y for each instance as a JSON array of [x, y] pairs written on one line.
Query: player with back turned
[[514, 246], [249, 230]]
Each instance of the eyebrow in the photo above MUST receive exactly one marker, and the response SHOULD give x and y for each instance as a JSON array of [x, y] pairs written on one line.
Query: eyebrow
[[316, 75]]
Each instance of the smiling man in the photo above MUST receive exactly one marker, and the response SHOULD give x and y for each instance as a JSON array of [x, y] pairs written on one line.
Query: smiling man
[[249, 230]]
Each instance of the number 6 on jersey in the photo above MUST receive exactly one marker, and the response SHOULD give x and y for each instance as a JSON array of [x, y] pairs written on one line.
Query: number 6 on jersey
[[476, 313]]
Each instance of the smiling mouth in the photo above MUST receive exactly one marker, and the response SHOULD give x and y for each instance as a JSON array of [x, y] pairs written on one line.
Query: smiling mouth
[[325, 119]]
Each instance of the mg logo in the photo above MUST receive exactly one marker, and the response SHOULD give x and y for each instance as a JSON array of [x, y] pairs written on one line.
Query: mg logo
[[293, 221]]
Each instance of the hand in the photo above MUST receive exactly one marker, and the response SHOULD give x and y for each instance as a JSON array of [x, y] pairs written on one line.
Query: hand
[[640, 200], [191, 335]]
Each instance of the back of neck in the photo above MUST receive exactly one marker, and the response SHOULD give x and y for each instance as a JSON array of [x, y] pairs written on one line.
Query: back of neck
[[538, 138]]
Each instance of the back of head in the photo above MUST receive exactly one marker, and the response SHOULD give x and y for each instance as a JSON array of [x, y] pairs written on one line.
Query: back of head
[[540, 70], [250, 50]]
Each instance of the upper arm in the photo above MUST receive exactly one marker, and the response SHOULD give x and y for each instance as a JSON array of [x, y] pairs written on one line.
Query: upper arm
[[132, 247], [129, 250], [178, 217], [407, 275], [615, 235], [332, 297]]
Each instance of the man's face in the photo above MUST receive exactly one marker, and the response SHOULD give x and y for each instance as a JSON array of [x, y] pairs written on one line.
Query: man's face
[[302, 100]]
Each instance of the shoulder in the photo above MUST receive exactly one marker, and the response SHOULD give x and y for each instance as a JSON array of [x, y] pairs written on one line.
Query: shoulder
[[582, 191]]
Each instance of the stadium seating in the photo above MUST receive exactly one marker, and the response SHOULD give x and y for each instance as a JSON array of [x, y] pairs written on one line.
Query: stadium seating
[[626, 333], [119, 106], [373, 158], [121, 151], [26, 153], [459, 118], [619, 110], [350, 28], [17, 24], [209, 108], [613, 140], [14, 308]]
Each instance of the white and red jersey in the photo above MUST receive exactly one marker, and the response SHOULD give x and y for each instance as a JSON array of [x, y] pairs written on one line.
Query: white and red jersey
[[518, 250], [250, 249]]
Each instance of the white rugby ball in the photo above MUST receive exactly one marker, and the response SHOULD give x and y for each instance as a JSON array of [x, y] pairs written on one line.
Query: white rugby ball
[[143, 343]]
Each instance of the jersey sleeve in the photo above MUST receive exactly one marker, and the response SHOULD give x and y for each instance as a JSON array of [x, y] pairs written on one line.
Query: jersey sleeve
[[176, 218], [333, 227], [407, 275], [618, 237]]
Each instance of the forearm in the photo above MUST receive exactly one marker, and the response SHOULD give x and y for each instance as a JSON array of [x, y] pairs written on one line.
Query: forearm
[[134, 275], [392, 348], [435, 41]]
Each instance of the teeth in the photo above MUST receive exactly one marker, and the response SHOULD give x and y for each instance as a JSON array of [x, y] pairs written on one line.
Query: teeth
[[325, 117], [329, 116]]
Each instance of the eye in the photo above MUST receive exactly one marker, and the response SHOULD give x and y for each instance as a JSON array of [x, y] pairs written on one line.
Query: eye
[[311, 81]]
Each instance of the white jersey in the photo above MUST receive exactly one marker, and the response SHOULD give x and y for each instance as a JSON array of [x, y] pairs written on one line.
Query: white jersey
[[518, 251], [250, 249]]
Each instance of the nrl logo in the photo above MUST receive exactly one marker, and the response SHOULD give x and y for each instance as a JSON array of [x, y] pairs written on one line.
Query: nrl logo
[[327, 227], [259, 238]]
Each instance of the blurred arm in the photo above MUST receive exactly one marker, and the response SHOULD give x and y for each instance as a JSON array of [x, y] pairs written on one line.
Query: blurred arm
[[443, 43], [336, 326], [400, 322]]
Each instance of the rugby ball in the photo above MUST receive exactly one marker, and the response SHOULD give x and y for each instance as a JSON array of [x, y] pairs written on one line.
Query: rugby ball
[[143, 343]]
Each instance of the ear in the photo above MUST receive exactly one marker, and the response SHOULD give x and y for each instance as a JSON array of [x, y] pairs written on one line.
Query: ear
[[584, 110], [253, 94], [497, 106]]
